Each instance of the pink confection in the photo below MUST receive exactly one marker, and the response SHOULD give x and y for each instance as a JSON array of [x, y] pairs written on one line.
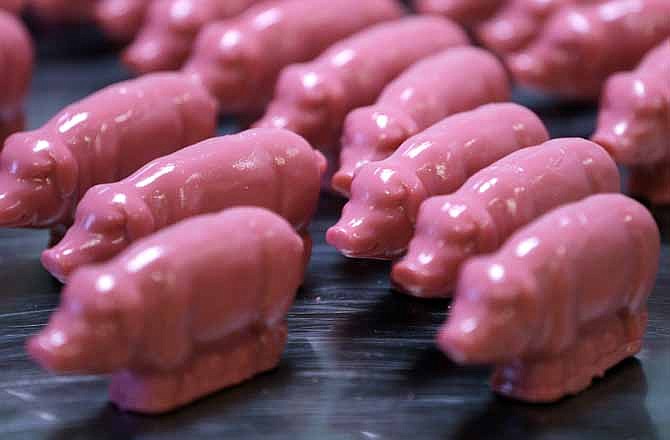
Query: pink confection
[[190, 310], [170, 29], [16, 70], [378, 221], [243, 72], [562, 301], [450, 82], [466, 12], [121, 19], [579, 47], [63, 11], [494, 203], [313, 99], [13, 6], [634, 123], [103, 138], [271, 168], [518, 22]]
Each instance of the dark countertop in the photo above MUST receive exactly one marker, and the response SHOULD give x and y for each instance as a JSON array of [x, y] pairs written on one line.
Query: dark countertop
[[360, 363]]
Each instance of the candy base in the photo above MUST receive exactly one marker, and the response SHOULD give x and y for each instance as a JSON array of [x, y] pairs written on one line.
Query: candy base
[[602, 345], [210, 371]]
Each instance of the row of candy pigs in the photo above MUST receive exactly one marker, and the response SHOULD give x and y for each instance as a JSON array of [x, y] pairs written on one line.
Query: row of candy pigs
[[566, 47]]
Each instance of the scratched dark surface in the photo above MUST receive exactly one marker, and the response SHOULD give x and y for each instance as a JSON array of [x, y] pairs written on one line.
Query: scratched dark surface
[[360, 362]]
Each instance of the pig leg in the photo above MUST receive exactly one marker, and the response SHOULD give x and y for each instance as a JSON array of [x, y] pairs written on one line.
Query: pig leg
[[651, 183], [209, 371], [601, 345]]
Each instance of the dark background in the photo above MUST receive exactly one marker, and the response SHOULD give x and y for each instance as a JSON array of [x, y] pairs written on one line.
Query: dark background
[[360, 362]]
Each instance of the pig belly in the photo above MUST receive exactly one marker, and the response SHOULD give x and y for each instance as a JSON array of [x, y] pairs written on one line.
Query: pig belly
[[230, 362], [601, 345]]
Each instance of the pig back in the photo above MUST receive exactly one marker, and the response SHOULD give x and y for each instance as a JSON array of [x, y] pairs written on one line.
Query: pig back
[[447, 153], [369, 60], [271, 168], [594, 257], [452, 81], [530, 182], [114, 132]]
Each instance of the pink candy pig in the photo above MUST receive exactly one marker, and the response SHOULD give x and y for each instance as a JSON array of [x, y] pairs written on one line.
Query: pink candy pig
[[634, 123], [170, 28], [562, 301], [270, 168], [103, 138], [313, 99], [378, 221], [581, 46], [239, 60], [453, 81], [190, 310], [494, 203]]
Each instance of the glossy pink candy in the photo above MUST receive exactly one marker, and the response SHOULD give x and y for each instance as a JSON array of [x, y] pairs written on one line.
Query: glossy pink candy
[[314, 98], [634, 123], [239, 60], [103, 138], [271, 168], [466, 12], [170, 29], [378, 221], [519, 22], [562, 301], [579, 47], [13, 6], [190, 310], [121, 19], [494, 203], [453, 81], [16, 70]]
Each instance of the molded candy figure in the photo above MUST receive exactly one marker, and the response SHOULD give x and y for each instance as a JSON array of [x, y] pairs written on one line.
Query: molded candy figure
[[121, 19], [190, 310], [16, 68], [466, 12], [453, 81], [562, 301], [634, 123], [314, 98], [103, 138], [170, 29], [494, 203], [581, 46], [270, 168], [518, 22], [13, 6], [378, 221], [63, 11], [240, 59]]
